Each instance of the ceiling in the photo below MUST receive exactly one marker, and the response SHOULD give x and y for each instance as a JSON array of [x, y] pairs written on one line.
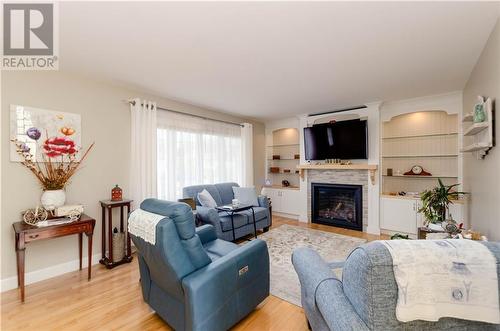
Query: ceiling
[[269, 60]]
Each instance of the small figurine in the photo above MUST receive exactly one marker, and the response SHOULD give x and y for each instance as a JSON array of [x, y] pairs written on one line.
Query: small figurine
[[116, 194]]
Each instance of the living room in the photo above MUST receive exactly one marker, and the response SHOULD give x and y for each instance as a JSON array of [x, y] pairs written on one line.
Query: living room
[[250, 166]]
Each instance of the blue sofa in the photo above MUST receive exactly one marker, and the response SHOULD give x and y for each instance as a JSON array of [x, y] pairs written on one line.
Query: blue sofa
[[366, 297], [221, 221], [195, 281]]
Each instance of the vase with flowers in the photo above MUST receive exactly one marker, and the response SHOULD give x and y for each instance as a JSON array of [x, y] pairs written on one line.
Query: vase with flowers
[[58, 163]]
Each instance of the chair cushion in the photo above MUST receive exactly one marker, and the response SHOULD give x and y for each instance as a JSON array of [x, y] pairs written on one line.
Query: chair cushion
[[239, 221], [206, 199], [260, 213], [218, 248], [226, 192], [246, 195]]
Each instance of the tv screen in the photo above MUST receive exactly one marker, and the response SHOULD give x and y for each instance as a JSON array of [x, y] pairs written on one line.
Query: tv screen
[[339, 140]]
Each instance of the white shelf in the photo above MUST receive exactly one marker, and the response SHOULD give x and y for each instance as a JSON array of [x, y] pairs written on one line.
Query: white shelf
[[417, 156], [423, 135], [476, 128], [282, 145], [420, 177], [468, 118], [475, 147]]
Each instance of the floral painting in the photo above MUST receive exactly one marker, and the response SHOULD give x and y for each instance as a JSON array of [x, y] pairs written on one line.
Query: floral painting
[[44, 133]]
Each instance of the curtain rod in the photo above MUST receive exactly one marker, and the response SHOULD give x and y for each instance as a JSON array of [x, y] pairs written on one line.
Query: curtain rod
[[132, 102]]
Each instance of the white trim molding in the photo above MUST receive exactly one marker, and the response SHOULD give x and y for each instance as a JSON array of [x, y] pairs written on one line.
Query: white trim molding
[[35, 276], [449, 102]]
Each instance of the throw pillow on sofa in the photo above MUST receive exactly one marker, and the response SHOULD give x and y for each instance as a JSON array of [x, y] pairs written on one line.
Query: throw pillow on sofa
[[246, 195], [206, 199]]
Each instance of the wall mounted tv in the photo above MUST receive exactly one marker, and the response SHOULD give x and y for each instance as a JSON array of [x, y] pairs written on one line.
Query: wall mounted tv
[[337, 140]]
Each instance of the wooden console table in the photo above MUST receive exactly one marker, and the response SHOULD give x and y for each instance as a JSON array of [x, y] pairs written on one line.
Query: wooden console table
[[109, 205], [27, 233]]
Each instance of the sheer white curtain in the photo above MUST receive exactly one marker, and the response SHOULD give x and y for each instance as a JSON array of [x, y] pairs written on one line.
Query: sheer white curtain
[[247, 154], [143, 150], [193, 151]]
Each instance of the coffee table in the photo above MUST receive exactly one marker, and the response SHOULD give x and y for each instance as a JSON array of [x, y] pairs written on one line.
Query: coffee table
[[234, 210]]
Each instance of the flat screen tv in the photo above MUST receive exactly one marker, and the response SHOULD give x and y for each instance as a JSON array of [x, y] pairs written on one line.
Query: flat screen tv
[[339, 140]]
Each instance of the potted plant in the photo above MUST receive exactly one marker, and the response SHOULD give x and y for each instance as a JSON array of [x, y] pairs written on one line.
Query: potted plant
[[58, 164], [435, 202]]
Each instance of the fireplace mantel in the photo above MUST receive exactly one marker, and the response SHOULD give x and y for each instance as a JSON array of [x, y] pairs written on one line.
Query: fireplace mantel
[[330, 166]]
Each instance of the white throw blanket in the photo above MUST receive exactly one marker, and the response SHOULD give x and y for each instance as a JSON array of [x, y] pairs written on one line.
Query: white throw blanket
[[445, 278], [143, 224]]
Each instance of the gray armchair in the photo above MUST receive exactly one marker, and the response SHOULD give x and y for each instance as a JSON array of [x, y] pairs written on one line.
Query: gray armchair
[[366, 297], [195, 281], [221, 221]]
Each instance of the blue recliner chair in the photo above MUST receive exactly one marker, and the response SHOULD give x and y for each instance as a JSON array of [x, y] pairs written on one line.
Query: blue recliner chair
[[221, 221], [195, 281]]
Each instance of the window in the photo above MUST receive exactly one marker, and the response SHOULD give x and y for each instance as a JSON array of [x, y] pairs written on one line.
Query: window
[[192, 151]]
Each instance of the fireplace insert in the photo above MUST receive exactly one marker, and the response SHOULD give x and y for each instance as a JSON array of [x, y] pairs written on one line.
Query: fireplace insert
[[337, 205]]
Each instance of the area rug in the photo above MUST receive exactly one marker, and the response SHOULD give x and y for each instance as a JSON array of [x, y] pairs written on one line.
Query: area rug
[[281, 243]]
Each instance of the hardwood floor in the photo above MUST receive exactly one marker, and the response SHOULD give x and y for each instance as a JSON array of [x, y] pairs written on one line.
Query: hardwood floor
[[112, 300]]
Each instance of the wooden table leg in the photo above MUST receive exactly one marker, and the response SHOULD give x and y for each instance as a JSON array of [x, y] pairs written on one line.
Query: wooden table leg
[[121, 218], [129, 244], [89, 237], [80, 235], [20, 263], [110, 234], [17, 260], [103, 238]]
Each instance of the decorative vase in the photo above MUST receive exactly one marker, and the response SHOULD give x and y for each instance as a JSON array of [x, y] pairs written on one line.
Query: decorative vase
[[479, 114], [52, 199]]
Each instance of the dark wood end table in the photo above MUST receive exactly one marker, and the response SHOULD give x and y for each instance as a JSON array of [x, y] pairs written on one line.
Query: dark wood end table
[[25, 233], [235, 210], [109, 205]]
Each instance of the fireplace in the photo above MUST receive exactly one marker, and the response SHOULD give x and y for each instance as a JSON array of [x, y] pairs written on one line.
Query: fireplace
[[337, 205]]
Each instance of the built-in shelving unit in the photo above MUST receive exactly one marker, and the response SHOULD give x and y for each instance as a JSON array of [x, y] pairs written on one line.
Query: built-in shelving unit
[[283, 143], [478, 136], [428, 139]]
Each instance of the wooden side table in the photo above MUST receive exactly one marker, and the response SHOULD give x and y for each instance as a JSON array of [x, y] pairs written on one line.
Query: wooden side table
[[27, 233], [109, 205]]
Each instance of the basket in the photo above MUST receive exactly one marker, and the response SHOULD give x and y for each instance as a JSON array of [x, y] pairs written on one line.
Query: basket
[[118, 246]]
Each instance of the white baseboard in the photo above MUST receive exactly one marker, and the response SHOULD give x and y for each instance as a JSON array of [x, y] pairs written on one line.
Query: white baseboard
[[292, 216], [46, 273], [373, 230]]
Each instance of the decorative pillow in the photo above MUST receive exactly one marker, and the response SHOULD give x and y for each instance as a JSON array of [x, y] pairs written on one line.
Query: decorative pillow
[[206, 199], [246, 195]]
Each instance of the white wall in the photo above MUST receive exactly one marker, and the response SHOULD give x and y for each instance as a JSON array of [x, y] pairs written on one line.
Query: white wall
[[105, 121], [482, 177]]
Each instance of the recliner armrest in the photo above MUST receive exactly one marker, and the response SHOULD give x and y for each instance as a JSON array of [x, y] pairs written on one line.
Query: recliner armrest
[[263, 201], [335, 308], [312, 270], [210, 216], [322, 289], [214, 285], [206, 233]]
